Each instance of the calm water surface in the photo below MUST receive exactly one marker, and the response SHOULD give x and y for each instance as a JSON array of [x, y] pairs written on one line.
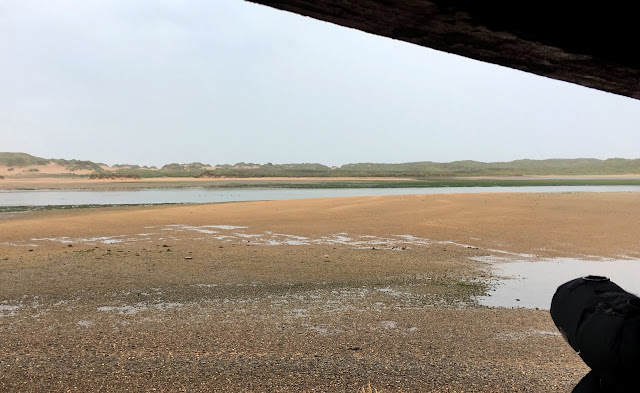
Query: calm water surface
[[532, 284], [211, 195]]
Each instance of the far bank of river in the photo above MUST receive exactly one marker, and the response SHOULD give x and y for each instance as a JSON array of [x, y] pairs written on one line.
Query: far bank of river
[[16, 200]]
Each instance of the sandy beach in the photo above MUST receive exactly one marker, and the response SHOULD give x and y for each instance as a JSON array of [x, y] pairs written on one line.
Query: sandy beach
[[303, 295]]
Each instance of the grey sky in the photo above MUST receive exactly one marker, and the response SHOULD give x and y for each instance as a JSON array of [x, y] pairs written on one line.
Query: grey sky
[[222, 81]]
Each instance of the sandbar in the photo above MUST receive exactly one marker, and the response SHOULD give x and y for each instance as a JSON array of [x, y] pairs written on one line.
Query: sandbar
[[302, 295]]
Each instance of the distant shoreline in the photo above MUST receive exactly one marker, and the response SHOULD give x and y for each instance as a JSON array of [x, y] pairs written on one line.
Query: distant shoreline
[[70, 183], [22, 165]]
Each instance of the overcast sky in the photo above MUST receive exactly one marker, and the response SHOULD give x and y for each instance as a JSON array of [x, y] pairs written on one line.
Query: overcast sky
[[222, 81]]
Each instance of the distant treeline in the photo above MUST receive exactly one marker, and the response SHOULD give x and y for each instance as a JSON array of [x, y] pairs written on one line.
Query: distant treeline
[[427, 169], [23, 159], [113, 176], [423, 169], [580, 166]]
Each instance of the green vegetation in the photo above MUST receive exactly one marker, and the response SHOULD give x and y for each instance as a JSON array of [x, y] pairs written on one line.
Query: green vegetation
[[193, 167], [429, 169], [244, 170], [21, 159], [131, 167], [155, 173], [111, 176], [78, 165], [424, 170], [422, 183], [514, 168]]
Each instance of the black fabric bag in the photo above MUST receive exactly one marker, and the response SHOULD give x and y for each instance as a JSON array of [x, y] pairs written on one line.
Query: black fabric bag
[[601, 321], [589, 384]]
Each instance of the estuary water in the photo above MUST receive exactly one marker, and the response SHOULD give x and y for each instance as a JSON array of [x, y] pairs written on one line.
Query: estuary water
[[33, 198], [531, 283]]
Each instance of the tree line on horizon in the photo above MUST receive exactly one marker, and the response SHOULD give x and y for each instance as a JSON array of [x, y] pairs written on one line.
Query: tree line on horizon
[[423, 169]]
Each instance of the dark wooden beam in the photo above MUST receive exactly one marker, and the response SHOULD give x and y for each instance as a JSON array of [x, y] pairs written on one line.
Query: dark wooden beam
[[591, 44]]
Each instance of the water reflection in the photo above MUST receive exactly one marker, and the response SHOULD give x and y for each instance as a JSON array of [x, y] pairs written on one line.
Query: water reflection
[[532, 283], [211, 195]]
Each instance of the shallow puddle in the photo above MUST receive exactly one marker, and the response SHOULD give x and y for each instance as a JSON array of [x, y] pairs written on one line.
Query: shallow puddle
[[532, 283]]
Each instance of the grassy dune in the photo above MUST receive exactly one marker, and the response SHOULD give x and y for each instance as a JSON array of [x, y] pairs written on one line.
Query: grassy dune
[[420, 170]]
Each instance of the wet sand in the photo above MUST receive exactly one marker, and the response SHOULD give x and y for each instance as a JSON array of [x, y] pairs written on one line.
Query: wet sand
[[308, 295], [52, 182], [83, 183]]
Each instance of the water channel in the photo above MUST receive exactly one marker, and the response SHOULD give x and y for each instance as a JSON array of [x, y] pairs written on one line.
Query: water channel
[[213, 195]]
